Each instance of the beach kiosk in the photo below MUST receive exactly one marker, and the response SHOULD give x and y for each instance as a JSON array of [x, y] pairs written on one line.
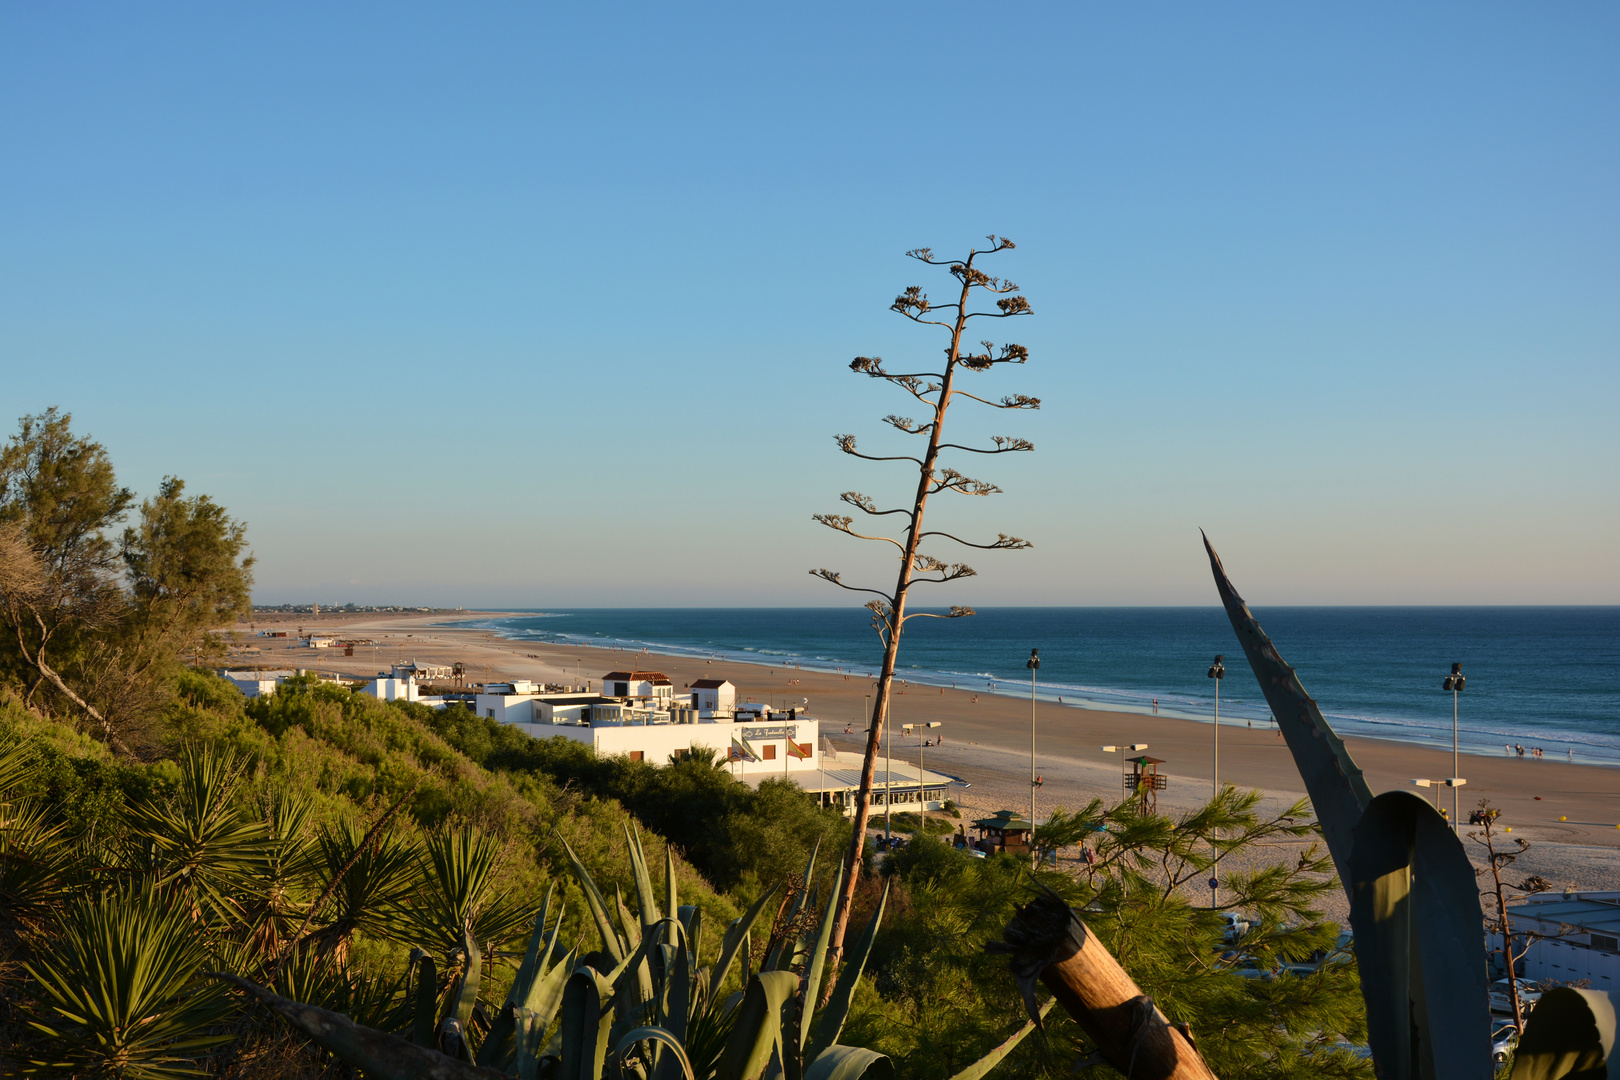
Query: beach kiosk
[[1003, 831], [1146, 781]]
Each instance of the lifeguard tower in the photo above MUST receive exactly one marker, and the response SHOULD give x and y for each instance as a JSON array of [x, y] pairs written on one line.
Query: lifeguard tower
[[1003, 831], [1146, 782]]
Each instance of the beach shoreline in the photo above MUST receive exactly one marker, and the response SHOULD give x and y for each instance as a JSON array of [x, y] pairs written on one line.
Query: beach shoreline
[[1069, 737]]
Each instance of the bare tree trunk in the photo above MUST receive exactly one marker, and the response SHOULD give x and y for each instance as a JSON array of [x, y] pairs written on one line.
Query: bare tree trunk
[[1049, 944], [37, 661], [891, 648], [1507, 931]]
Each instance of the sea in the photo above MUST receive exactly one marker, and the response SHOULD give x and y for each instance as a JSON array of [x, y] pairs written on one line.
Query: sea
[[1545, 677]]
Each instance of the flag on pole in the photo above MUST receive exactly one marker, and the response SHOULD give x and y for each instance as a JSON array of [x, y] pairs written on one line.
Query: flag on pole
[[741, 751], [798, 750]]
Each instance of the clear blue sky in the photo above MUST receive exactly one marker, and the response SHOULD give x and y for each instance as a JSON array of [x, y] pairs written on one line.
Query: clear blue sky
[[552, 304]]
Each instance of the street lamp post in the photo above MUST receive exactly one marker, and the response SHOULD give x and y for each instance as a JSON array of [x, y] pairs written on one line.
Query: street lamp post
[[1122, 750], [922, 794], [1455, 683], [1034, 665], [1217, 671]]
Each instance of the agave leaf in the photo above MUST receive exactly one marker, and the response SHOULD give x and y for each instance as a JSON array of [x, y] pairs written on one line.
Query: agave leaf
[[593, 899], [692, 921], [471, 973], [996, 1056], [678, 992], [1571, 1033], [531, 1032], [380, 1054], [758, 1032], [1337, 789], [736, 936], [533, 965], [425, 1013], [545, 995], [672, 908], [629, 926], [855, 1062], [837, 1010], [674, 1051], [1415, 909], [586, 1019], [638, 866], [818, 960]]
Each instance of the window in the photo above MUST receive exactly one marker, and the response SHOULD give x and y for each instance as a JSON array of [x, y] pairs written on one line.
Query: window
[[637, 755], [1604, 941], [804, 748], [491, 713], [769, 753], [621, 689]]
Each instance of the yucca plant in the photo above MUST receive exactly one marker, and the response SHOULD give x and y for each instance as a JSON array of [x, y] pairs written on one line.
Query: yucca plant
[[203, 840], [122, 996], [655, 1013], [372, 880]]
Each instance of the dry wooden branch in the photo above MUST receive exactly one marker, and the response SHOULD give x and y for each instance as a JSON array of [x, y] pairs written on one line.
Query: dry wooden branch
[[1048, 943]]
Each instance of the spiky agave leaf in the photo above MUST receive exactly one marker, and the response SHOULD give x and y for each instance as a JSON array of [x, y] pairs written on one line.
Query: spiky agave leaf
[[757, 1034], [836, 1013], [121, 992], [1419, 939]]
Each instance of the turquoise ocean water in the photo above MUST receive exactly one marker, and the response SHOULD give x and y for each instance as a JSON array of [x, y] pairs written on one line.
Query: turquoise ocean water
[[1541, 676]]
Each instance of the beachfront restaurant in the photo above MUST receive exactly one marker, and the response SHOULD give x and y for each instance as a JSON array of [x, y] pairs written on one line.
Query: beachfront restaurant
[[901, 788]]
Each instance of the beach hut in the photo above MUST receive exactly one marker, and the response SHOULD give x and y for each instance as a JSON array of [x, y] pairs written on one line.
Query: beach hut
[[1004, 831], [1146, 781]]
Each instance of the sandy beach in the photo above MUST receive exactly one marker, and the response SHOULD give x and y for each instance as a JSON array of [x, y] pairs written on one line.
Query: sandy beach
[[986, 737]]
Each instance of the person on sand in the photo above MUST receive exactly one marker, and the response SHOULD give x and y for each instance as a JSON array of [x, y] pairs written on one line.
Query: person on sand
[[1155, 706]]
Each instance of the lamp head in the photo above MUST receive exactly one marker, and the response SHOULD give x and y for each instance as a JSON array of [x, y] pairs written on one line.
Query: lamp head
[[1034, 659], [1217, 670]]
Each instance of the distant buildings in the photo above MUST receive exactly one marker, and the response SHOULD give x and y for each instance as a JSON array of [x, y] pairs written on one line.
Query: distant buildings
[[1579, 938], [637, 715]]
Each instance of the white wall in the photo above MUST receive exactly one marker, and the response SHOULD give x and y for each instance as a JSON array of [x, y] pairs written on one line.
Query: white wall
[[656, 742], [506, 708]]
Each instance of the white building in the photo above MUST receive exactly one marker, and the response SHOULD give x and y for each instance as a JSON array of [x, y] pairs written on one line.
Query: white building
[[648, 689], [385, 688], [713, 698], [315, 642], [1581, 937], [256, 683], [745, 749], [420, 672]]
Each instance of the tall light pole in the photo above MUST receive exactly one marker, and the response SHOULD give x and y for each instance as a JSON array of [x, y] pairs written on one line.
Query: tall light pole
[[1455, 683], [922, 799], [1034, 665], [1217, 671]]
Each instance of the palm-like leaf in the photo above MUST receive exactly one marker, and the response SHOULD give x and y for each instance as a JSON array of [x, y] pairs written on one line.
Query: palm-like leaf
[[120, 987], [384, 874], [38, 863], [458, 894], [202, 841]]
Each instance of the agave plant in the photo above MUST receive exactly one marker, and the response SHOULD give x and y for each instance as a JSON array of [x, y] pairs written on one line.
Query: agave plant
[[643, 1005], [122, 996]]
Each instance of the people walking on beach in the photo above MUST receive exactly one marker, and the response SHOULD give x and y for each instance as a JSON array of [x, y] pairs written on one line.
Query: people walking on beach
[[1572, 755], [1518, 749], [1507, 748], [1155, 706]]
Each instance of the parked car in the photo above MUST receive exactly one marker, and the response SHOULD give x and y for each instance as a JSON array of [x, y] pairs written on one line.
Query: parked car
[[1236, 926], [1502, 997], [1504, 1040]]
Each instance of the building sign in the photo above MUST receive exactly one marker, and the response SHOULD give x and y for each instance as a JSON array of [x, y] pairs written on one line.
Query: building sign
[[776, 731]]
